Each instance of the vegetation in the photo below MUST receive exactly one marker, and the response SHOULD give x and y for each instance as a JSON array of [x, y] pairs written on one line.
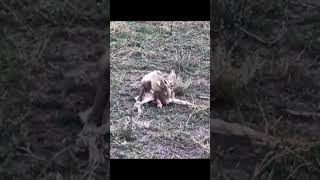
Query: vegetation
[[173, 131], [265, 69]]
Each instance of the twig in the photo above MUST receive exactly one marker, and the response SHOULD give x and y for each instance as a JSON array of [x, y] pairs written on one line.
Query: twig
[[204, 97], [90, 172], [31, 154], [295, 170], [266, 123], [41, 47], [303, 113], [53, 157], [221, 127], [269, 43], [275, 124], [253, 35], [202, 145], [44, 44], [191, 114], [267, 160]]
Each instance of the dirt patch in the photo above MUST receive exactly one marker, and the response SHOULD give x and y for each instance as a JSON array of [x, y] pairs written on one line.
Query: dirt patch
[[174, 131]]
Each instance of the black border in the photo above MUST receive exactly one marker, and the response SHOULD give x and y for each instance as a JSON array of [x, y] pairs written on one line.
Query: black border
[[160, 169], [165, 10]]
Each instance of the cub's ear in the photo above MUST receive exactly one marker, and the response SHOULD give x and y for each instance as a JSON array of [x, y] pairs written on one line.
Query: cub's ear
[[172, 71]]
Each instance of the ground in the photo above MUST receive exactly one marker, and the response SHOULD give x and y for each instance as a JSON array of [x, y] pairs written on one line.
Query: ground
[[265, 72], [174, 131], [49, 52]]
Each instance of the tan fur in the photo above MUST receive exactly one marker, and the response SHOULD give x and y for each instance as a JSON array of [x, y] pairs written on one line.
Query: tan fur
[[158, 88], [153, 82]]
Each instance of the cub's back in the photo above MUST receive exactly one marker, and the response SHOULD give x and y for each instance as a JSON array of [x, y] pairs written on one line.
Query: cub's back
[[155, 78]]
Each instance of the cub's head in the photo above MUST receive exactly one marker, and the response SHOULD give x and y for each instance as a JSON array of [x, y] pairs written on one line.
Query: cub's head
[[171, 79]]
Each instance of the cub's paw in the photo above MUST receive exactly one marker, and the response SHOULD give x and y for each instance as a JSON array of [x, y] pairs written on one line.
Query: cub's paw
[[159, 105]]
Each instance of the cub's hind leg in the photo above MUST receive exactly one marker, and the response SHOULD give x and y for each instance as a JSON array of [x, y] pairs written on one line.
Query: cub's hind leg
[[140, 96], [148, 97], [145, 87]]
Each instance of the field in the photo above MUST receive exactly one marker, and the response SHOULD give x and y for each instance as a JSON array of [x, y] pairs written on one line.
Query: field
[[265, 70], [49, 53], [174, 131]]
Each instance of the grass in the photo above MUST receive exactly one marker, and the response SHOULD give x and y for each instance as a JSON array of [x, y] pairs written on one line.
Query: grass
[[44, 85], [174, 131], [268, 89]]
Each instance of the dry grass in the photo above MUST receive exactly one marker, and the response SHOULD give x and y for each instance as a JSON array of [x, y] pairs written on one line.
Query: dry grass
[[48, 57], [266, 80], [174, 131]]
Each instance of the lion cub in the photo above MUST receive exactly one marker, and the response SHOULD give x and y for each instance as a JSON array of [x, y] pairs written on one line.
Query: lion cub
[[159, 88]]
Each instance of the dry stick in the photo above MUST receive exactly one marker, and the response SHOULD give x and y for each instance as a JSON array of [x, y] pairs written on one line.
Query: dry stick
[[295, 170], [234, 45], [300, 157], [206, 148], [303, 113], [41, 47], [49, 162], [204, 97], [275, 124], [253, 35], [191, 114], [266, 123], [272, 156], [257, 169], [268, 159], [90, 172], [279, 36], [44, 45], [221, 127]]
